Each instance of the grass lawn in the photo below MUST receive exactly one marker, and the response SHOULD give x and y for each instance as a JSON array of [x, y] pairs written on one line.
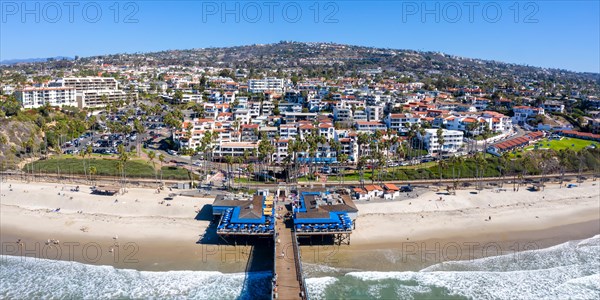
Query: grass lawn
[[104, 167], [564, 143]]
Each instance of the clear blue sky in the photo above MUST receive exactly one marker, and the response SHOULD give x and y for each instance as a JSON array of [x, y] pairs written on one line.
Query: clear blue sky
[[562, 34]]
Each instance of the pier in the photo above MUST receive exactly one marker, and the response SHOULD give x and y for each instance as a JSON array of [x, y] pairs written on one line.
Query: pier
[[289, 280], [283, 220]]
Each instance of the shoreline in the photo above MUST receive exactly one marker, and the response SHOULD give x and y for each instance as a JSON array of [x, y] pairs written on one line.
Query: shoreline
[[147, 235], [419, 254]]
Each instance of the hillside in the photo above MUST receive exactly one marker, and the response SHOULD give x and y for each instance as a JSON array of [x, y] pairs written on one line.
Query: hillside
[[328, 59]]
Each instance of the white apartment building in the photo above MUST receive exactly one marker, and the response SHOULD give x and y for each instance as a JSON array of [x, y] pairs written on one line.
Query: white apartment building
[[87, 83], [34, 97], [267, 108], [327, 130], [554, 106], [397, 122], [360, 115], [266, 84], [92, 91], [281, 150], [453, 140], [288, 131], [342, 114], [463, 123], [99, 98], [523, 113], [374, 113], [498, 121], [235, 149], [370, 126]]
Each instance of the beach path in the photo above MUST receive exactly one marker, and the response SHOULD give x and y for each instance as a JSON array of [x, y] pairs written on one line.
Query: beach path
[[288, 285]]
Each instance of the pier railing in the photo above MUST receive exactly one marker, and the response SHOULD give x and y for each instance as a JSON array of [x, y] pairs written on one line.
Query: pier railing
[[274, 263], [299, 273]]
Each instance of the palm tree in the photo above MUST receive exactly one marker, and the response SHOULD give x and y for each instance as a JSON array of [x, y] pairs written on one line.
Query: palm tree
[[312, 153], [421, 132], [362, 161], [409, 138], [59, 152], [454, 161], [161, 158], [88, 151], [503, 165], [441, 165], [480, 164], [93, 171], [441, 142], [82, 154], [239, 161], [229, 162], [151, 156], [123, 158], [342, 159], [250, 170], [362, 140]]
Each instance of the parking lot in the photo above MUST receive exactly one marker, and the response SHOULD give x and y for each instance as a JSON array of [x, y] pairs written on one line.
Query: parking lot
[[102, 141]]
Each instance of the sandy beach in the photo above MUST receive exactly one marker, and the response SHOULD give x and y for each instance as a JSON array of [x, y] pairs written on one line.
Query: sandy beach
[[138, 230]]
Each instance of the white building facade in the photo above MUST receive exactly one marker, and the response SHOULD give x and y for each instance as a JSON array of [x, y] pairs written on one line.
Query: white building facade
[[453, 141]]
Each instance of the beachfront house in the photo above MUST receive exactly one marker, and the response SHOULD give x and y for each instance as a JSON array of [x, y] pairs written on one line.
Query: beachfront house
[[360, 194], [374, 191], [391, 191]]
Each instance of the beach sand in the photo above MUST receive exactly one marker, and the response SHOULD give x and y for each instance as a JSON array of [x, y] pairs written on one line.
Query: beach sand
[[145, 234], [136, 230], [415, 233]]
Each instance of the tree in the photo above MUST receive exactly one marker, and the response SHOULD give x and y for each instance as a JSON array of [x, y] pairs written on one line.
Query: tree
[[481, 165], [441, 165], [161, 158], [362, 161], [265, 150], [82, 154], [440, 139], [93, 171], [123, 158], [151, 156], [178, 96], [229, 162], [250, 170]]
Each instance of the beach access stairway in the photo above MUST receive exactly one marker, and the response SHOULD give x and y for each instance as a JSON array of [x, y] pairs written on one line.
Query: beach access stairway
[[288, 268]]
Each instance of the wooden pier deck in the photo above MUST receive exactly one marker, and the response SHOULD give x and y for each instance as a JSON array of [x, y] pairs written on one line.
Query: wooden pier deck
[[289, 283]]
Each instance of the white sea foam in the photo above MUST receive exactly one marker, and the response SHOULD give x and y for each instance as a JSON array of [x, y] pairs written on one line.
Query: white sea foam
[[316, 286], [567, 271], [32, 278]]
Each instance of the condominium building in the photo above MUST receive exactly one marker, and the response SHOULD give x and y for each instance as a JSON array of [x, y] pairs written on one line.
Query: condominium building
[[266, 84], [399, 122], [453, 140], [33, 97], [235, 149], [99, 98], [370, 126], [87, 83], [93, 91]]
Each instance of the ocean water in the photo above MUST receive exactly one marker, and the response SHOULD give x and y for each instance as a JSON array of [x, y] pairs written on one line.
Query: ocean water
[[566, 271], [32, 278]]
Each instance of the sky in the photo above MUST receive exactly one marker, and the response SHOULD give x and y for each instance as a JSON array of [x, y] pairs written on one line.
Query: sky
[[553, 34]]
